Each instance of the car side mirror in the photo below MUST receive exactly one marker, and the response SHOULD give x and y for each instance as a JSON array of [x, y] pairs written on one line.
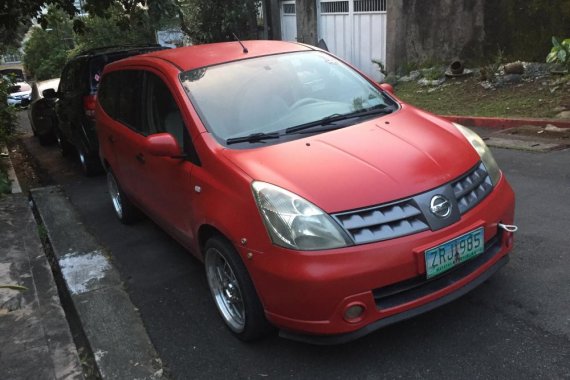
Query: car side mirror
[[163, 145], [387, 87], [49, 93]]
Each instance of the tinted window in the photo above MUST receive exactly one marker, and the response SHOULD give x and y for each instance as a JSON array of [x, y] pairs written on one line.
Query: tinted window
[[120, 96]]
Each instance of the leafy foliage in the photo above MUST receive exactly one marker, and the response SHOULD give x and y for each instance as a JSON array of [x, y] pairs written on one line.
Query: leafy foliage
[[217, 20], [560, 52], [7, 113], [45, 53], [16, 17], [111, 29]]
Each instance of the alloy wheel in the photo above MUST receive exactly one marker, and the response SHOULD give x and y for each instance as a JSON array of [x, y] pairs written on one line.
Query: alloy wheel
[[226, 290]]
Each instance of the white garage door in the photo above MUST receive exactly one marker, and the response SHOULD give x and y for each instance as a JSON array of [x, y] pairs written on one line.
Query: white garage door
[[288, 21], [355, 30]]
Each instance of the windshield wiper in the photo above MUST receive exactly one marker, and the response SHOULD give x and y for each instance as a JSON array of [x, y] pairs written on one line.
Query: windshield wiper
[[339, 117], [254, 137]]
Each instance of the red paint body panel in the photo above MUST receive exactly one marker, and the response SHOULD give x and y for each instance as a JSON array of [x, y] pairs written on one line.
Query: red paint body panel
[[381, 160]]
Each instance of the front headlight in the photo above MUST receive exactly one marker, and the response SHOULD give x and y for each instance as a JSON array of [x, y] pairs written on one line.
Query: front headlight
[[293, 222], [484, 152]]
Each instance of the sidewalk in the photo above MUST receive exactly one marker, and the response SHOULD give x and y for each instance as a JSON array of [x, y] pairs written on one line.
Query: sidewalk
[[35, 336]]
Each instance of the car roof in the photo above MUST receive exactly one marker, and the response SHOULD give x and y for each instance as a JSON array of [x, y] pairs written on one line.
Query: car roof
[[196, 56], [118, 49], [50, 83]]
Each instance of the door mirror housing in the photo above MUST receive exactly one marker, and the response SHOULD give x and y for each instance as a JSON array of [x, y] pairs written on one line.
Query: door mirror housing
[[163, 145], [387, 87], [49, 93]]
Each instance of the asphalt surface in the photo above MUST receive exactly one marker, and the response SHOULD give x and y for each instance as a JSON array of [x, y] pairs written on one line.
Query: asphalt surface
[[516, 325]]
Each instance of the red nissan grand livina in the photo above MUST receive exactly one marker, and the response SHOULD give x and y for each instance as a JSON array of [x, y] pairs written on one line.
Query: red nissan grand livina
[[319, 203]]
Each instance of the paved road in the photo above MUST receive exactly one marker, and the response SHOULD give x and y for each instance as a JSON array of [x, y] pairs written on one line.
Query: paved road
[[516, 325]]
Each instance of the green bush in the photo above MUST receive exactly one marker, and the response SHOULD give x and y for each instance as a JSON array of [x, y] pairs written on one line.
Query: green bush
[[7, 127], [560, 52], [7, 113]]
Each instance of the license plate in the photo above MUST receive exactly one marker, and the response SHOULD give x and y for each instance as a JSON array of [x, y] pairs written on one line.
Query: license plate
[[454, 252]]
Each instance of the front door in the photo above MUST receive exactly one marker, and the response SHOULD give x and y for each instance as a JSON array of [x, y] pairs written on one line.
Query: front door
[[166, 184]]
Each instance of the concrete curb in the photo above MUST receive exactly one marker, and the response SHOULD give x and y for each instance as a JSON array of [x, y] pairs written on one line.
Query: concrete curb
[[35, 335], [114, 329], [505, 123]]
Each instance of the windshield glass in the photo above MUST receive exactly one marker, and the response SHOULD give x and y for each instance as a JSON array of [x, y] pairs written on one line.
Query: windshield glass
[[274, 93]]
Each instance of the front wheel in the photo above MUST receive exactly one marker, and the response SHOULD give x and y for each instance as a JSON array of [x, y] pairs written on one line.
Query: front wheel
[[124, 209], [233, 291]]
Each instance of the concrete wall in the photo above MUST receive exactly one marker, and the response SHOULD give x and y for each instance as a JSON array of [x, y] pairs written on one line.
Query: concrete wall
[[422, 31]]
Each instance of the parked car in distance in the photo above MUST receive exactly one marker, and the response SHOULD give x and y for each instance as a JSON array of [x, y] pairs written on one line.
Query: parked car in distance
[[41, 110], [76, 95], [319, 202], [19, 94]]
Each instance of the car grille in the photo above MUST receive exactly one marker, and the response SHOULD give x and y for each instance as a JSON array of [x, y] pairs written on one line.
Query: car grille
[[412, 215], [383, 222], [472, 188]]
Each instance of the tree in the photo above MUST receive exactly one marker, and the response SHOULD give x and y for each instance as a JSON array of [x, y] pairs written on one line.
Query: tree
[[111, 30], [16, 17], [46, 51], [218, 20]]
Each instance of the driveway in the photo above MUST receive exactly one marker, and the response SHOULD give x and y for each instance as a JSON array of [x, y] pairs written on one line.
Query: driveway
[[516, 325]]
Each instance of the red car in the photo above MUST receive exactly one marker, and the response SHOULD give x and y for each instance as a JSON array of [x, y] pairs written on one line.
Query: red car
[[319, 202]]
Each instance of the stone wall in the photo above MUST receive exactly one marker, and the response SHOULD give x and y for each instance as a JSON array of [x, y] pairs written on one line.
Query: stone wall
[[423, 32]]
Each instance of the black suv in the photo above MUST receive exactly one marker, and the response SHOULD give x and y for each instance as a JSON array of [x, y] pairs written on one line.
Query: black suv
[[76, 95]]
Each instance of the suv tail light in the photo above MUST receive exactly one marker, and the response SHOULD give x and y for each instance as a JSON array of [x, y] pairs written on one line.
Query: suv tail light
[[89, 103]]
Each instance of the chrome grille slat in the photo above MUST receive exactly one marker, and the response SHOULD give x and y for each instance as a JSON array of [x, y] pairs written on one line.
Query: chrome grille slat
[[472, 188], [383, 222], [405, 217]]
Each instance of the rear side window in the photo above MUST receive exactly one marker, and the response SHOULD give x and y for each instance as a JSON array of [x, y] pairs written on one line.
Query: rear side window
[[120, 96]]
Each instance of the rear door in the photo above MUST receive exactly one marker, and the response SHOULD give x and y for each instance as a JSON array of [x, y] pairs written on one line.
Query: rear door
[[121, 129]]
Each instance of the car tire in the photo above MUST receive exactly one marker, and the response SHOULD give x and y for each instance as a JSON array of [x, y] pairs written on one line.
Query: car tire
[[90, 164], [65, 147], [126, 212], [233, 292], [45, 139]]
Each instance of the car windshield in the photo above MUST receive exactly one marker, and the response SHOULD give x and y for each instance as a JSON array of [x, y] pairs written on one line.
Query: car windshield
[[260, 96]]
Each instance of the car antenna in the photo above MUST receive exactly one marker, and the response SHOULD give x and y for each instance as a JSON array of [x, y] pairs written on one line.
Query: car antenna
[[245, 51]]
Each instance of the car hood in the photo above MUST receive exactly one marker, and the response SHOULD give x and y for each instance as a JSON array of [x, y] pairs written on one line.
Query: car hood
[[378, 161]]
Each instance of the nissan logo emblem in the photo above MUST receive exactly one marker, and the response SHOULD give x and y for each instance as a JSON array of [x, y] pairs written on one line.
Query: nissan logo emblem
[[440, 206]]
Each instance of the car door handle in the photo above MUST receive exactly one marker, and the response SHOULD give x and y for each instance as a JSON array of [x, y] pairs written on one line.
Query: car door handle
[[111, 139], [140, 158]]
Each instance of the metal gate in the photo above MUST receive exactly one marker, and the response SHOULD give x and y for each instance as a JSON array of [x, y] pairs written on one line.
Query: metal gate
[[288, 21], [354, 30]]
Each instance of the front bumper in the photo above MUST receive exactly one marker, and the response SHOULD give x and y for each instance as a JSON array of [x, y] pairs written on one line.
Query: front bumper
[[305, 294]]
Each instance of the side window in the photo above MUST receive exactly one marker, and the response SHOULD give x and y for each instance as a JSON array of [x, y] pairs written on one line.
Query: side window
[[120, 95], [129, 100], [163, 115], [109, 93]]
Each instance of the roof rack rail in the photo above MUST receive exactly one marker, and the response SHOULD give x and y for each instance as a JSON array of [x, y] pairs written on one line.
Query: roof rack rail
[[115, 47]]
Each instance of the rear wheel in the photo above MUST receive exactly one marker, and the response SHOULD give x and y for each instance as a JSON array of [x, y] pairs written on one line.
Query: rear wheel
[[233, 291], [90, 163], [124, 209], [64, 146]]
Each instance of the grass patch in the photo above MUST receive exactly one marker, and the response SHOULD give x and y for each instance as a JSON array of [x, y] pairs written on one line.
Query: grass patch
[[5, 183], [466, 97]]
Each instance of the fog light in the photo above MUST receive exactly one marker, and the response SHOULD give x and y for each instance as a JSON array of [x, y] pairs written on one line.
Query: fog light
[[354, 312]]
